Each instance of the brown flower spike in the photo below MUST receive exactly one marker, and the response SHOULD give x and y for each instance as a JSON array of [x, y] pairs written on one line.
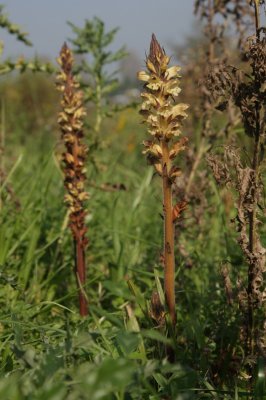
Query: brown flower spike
[[71, 124], [164, 118]]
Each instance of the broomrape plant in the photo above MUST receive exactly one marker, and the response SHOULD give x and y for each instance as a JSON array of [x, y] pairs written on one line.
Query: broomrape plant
[[164, 119], [71, 123]]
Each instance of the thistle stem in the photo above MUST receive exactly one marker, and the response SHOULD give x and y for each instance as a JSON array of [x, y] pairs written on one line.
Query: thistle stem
[[169, 256]]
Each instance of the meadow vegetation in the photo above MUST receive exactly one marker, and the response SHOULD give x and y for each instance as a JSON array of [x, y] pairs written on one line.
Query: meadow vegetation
[[173, 303]]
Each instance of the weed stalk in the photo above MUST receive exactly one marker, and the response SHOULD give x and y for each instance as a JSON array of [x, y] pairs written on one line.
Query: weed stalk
[[253, 234], [244, 174]]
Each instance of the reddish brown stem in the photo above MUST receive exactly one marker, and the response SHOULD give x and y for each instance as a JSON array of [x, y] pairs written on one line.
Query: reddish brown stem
[[81, 277], [169, 256], [79, 244]]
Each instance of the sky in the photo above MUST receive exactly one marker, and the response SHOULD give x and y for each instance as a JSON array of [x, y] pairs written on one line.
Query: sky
[[46, 23]]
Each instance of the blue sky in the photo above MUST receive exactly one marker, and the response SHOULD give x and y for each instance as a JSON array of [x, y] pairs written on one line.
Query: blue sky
[[45, 20]]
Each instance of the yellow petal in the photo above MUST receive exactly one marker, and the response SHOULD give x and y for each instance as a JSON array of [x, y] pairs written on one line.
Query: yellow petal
[[70, 110], [158, 167], [179, 109], [154, 85], [68, 199], [145, 106], [150, 99], [174, 91], [154, 149], [69, 158], [83, 196], [69, 138], [172, 88], [150, 66], [143, 76], [152, 120], [172, 72]]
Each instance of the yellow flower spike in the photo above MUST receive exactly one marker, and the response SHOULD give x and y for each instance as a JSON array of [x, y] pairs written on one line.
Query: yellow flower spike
[[164, 118]]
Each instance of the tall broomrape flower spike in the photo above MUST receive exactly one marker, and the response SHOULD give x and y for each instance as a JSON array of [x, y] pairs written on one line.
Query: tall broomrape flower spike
[[70, 121], [164, 118]]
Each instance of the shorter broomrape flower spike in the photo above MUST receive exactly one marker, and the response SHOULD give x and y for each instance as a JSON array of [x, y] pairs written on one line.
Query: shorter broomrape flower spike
[[70, 120], [164, 118]]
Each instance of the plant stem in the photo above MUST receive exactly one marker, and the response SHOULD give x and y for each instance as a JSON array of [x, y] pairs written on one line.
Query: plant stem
[[252, 249], [200, 152], [98, 103], [253, 240], [210, 26], [79, 243], [169, 256], [81, 276], [257, 19], [2, 147]]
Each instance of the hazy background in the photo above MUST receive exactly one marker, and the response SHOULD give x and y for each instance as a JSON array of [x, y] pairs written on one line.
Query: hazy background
[[45, 21]]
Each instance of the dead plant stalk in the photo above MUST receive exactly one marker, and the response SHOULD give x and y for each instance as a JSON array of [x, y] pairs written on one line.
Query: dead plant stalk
[[244, 171], [253, 240]]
